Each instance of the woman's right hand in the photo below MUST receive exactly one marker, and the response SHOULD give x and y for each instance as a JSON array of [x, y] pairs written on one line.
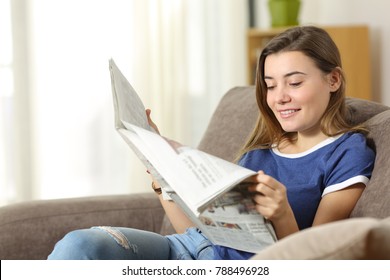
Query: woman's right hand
[[151, 123]]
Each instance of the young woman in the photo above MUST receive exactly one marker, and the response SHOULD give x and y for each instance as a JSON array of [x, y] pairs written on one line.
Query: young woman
[[312, 165]]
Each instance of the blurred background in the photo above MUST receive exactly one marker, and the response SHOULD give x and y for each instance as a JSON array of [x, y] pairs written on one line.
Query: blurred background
[[57, 136]]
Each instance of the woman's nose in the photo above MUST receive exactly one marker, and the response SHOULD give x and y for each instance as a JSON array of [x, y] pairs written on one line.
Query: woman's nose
[[282, 96]]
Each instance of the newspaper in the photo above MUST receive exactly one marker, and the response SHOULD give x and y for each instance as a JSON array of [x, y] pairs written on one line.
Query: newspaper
[[210, 190]]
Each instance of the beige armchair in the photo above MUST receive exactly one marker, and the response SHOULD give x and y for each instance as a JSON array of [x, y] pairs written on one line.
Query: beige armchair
[[29, 230]]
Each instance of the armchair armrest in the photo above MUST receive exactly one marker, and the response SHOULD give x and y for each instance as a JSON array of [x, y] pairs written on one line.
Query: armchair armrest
[[29, 230]]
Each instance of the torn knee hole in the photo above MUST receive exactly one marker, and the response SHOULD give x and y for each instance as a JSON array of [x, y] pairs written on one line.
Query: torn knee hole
[[119, 237]]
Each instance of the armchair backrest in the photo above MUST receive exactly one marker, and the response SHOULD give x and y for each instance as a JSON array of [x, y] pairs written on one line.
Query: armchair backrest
[[232, 121]]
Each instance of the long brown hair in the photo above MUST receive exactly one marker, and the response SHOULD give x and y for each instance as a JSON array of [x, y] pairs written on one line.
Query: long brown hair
[[316, 44]]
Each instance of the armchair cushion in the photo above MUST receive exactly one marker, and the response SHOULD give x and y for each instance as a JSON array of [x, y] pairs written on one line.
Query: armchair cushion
[[359, 238]]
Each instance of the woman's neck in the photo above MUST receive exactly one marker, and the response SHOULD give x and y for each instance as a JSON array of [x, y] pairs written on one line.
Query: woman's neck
[[301, 143]]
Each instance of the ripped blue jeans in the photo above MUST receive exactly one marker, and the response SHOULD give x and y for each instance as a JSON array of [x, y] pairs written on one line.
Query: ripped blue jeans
[[116, 243]]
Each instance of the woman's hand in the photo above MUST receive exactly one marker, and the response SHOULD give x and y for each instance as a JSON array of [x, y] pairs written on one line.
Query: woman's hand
[[151, 123], [271, 201], [270, 196]]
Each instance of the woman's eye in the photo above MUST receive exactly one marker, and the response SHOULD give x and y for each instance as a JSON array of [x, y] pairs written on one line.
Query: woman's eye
[[295, 84], [270, 87]]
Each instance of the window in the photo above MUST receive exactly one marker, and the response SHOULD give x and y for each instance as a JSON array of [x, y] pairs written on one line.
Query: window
[[6, 102]]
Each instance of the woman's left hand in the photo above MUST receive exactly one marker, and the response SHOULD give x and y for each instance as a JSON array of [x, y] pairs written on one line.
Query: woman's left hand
[[270, 196]]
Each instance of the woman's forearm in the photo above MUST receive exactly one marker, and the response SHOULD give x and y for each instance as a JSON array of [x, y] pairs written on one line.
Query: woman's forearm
[[176, 216]]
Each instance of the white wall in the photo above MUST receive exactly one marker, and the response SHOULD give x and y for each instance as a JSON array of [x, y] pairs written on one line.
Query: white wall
[[373, 13]]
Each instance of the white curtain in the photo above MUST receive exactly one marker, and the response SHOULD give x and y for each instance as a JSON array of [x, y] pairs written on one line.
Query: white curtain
[[180, 55], [192, 51]]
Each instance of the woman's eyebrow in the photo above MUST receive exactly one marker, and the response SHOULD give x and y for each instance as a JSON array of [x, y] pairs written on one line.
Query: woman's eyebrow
[[294, 73], [286, 75]]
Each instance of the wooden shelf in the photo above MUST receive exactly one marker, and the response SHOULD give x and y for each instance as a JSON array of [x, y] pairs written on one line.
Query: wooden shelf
[[354, 47]]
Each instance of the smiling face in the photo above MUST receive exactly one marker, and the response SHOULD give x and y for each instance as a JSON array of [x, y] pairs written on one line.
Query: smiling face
[[298, 92]]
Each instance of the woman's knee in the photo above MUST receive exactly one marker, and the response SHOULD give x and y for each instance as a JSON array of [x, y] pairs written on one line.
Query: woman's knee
[[80, 244]]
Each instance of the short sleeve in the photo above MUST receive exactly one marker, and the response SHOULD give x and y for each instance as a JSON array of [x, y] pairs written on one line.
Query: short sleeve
[[351, 162]]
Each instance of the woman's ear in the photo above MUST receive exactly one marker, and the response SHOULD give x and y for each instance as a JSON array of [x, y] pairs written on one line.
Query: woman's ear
[[334, 79]]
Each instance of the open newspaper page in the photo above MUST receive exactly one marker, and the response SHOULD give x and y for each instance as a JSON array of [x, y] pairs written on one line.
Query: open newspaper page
[[129, 107], [233, 221], [199, 182], [198, 178]]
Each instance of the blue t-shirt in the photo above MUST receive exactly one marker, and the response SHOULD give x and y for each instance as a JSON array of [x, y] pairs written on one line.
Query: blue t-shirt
[[332, 165]]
